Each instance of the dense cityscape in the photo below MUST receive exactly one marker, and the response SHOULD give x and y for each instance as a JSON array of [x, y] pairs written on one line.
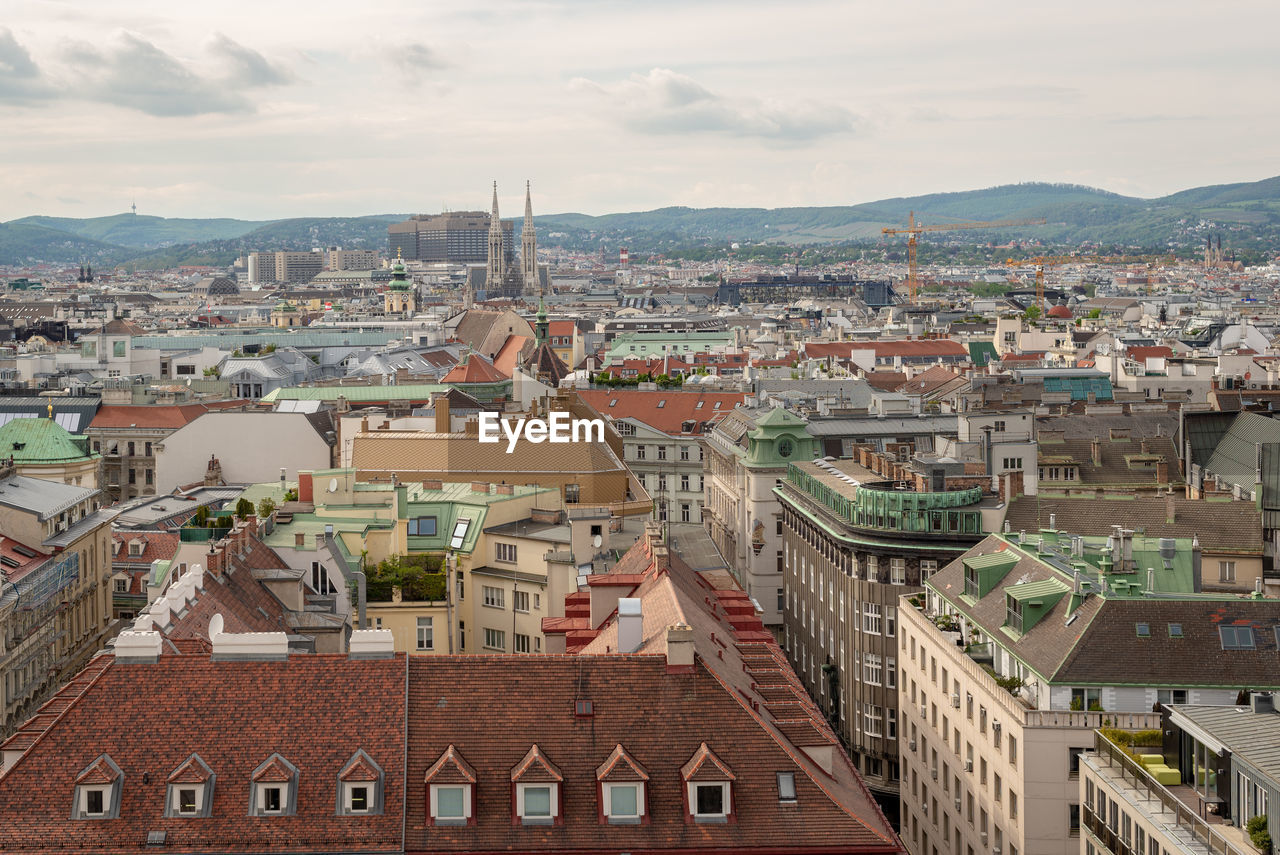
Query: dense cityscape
[[632, 428]]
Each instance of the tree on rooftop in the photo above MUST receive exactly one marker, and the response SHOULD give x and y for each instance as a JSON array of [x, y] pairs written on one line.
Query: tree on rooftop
[[244, 508], [266, 507]]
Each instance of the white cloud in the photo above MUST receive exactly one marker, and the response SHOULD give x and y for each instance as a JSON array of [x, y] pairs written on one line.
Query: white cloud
[[668, 102]]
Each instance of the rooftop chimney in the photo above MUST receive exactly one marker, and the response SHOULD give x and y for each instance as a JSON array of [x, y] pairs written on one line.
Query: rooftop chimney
[[442, 415], [1170, 509], [679, 648], [630, 625], [1095, 448], [134, 646], [371, 644], [246, 646]]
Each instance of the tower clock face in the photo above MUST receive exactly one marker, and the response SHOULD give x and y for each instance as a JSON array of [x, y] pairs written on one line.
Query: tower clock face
[[786, 447]]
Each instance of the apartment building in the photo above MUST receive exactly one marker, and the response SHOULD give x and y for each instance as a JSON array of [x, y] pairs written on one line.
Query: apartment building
[[664, 440], [55, 606], [351, 259], [748, 453], [853, 542], [1019, 650], [290, 266]]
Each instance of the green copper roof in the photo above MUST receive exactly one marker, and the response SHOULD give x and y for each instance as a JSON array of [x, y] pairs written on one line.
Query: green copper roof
[[41, 441], [1042, 590]]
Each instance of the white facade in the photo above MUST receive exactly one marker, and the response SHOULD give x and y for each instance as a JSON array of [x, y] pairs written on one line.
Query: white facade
[[250, 446]]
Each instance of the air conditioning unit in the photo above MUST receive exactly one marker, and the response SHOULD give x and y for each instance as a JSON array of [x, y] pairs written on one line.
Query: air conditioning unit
[[957, 805], [955, 701], [984, 838], [911, 745], [995, 725], [924, 808], [968, 765], [924, 710], [934, 772]]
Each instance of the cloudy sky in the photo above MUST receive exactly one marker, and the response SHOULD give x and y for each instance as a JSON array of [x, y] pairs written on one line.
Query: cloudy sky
[[280, 108]]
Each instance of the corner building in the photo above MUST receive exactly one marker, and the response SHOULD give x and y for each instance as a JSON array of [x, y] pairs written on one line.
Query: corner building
[[852, 545]]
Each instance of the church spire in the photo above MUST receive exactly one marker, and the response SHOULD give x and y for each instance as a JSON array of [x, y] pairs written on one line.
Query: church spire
[[529, 247], [496, 266]]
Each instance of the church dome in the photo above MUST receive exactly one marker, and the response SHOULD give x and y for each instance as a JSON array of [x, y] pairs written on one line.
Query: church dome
[[1059, 312]]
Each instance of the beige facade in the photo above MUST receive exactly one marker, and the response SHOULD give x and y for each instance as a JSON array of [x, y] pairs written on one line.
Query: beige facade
[[55, 610], [981, 769], [351, 259]]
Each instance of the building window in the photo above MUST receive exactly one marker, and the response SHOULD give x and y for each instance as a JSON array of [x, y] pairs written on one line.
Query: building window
[[871, 618], [872, 669], [927, 568], [1013, 614], [1226, 571], [1236, 637], [662, 452], [360, 785], [640, 452], [426, 634], [520, 601], [685, 512], [450, 804], [684, 483], [684, 452], [122, 586], [506, 553], [536, 804], [897, 571], [494, 598], [422, 527], [1171, 696], [709, 802], [520, 642], [495, 639], [871, 717], [623, 803]]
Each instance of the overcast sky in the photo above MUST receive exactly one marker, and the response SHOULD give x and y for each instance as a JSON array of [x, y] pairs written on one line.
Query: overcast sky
[[277, 109]]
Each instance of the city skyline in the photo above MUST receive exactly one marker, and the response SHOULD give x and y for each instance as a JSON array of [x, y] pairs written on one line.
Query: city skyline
[[261, 114]]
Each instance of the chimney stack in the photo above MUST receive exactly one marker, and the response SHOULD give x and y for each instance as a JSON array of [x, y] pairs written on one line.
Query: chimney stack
[[1096, 451], [679, 648], [630, 625], [442, 415], [1170, 509]]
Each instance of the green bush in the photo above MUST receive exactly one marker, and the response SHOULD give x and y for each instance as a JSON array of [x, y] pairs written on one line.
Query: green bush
[[1256, 824], [419, 578], [266, 507], [244, 508]]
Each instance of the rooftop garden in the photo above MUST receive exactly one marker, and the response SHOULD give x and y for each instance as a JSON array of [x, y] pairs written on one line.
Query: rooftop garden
[[419, 578]]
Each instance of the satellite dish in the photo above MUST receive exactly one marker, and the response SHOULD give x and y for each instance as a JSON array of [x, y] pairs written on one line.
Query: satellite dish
[[215, 626], [596, 541], [333, 485]]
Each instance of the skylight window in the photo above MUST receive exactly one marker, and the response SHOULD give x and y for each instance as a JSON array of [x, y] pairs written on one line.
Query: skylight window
[[1236, 637], [459, 533], [662, 403]]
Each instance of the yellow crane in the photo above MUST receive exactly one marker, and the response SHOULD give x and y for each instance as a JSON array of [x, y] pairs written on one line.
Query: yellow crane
[[912, 229], [1043, 261]]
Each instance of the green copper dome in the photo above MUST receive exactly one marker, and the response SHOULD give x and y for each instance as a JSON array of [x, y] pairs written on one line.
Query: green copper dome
[[40, 440]]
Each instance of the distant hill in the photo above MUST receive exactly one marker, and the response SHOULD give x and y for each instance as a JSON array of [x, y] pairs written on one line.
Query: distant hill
[[144, 232], [1075, 214], [1246, 215]]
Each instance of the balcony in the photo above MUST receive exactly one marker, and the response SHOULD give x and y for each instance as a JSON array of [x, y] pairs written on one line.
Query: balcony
[[1171, 809]]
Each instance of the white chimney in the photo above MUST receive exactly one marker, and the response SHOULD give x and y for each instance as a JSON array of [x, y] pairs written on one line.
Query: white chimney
[[135, 646], [246, 645], [371, 644], [680, 647], [630, 625]]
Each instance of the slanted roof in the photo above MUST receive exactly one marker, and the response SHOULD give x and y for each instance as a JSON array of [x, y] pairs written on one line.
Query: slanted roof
[[1235, 457]]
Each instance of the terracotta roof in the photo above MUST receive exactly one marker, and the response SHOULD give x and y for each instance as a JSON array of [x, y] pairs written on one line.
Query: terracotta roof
[[156, 546], [509, 356], [476, 369], [929, 381], [1143, 353], [677, 408], [235, 716], [153, 415], [887, 349]]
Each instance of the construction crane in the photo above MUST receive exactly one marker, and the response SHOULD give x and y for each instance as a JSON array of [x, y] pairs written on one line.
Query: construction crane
[[1043, 261], [913, 229]]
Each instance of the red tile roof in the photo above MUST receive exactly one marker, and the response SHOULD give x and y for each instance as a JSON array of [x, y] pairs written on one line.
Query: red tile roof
[[679, 407], [152, 416], [907, 348], [1142, 353], [476, 369]]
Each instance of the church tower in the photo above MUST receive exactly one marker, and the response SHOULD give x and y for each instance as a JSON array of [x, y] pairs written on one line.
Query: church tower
[[496, 267], [399, 296], [529, 247]]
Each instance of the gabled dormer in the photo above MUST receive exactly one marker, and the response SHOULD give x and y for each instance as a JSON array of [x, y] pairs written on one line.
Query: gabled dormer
[[360, 786], [189, 790], [536, 783], [97, 790], [983, 573], [622, 789], [451, 790], [708, 787], [274, 788]]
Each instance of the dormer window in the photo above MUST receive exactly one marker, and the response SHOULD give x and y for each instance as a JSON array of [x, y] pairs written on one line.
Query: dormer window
[[274, 788], [622, 789], [190, 789], [360, 786], [537, 781], [451, 786], [708, 783], [97, 790]]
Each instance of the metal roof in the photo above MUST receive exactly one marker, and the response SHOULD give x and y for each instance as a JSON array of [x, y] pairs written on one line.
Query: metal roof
[[45, 498], [1249, 736]]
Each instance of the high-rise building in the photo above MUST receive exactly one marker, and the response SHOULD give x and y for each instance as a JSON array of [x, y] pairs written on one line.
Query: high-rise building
[[351, 259], [460, 237], [285, 266]]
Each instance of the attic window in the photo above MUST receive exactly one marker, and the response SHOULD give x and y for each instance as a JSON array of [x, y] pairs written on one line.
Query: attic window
[[662, 403], [715, 405], [1175, 630], [698, 405], [190, 789], [1236, 637], [787, 787], [274, 788], [583, 708], [1144, 630], [614, 402], [459, 533]]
